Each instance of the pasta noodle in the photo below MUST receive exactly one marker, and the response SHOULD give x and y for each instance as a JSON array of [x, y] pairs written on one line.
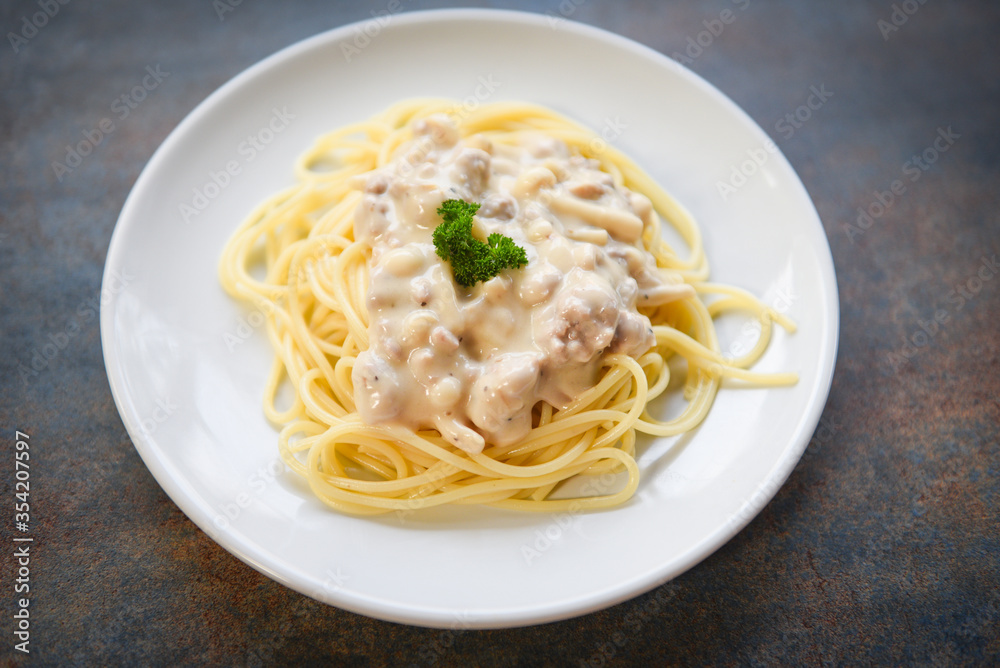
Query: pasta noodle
[[314, 287]]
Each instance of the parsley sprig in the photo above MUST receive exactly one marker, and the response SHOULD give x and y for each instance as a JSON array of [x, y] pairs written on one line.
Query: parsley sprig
[[471, 259]]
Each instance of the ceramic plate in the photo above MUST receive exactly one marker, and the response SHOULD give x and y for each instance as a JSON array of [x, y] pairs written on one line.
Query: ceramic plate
[[187, 364]]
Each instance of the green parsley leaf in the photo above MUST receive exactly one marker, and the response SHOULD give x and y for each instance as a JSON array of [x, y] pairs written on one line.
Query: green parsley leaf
[[471, 259]]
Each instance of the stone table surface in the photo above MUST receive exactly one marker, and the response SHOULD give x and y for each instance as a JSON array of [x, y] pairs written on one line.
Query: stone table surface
[[881, 548]]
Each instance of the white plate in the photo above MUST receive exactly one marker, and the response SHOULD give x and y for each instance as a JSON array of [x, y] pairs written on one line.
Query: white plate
[[187, 364]]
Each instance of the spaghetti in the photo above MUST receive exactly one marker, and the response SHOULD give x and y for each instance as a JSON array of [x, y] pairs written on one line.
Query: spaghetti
[[317, 293]]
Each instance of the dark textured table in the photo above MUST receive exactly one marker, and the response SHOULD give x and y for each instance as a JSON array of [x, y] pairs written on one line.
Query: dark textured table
[[882, 547]]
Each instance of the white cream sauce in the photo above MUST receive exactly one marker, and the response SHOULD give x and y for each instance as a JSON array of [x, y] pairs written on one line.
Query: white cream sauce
[[472, 362]]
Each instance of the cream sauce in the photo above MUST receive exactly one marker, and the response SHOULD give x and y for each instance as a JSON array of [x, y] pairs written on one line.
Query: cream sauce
[[472, 362]]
